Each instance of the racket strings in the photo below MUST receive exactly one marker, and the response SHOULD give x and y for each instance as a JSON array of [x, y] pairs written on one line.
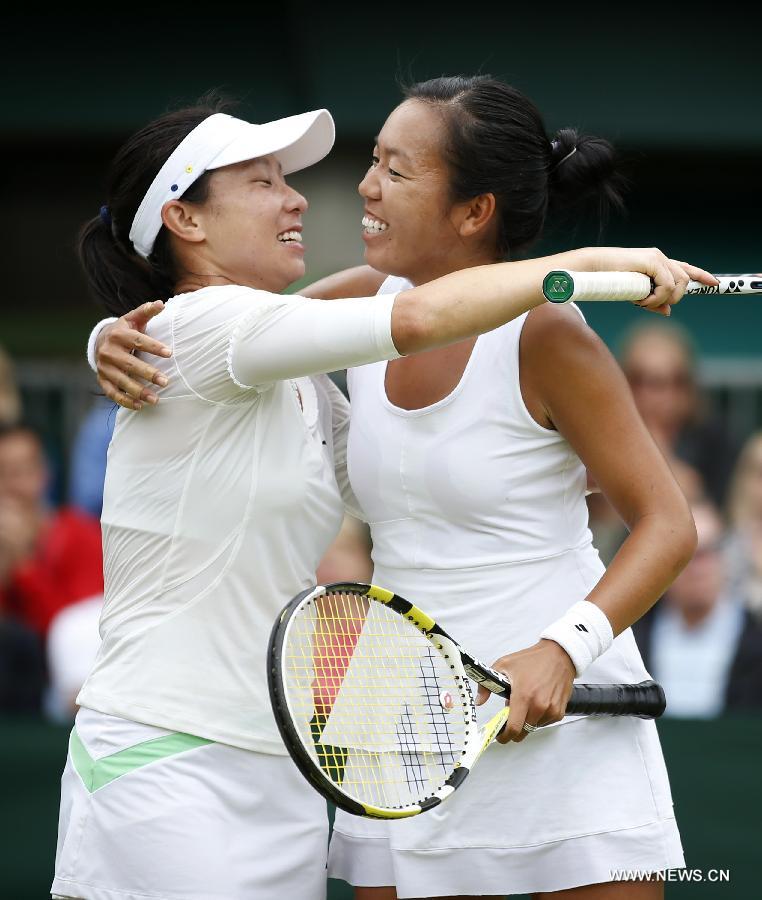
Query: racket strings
[[376, 706]]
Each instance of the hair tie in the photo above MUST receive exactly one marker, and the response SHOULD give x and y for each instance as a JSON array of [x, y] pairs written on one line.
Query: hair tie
[[554, 146], [105, 214]]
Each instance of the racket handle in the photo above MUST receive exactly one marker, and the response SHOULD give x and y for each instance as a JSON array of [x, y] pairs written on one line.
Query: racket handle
[[645, 700], [564, 286]]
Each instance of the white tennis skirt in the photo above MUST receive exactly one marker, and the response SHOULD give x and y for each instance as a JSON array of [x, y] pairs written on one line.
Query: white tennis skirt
[[564, 808], [149, 813]]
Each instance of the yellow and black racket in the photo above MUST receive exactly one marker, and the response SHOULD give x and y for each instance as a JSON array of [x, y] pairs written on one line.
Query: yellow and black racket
[[374, 702]]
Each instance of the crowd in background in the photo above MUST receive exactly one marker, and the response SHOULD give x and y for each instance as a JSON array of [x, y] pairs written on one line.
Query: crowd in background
[[702, 640]]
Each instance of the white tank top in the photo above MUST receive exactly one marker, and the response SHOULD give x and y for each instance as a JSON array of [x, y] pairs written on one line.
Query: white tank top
[[472, 480], [477, 512]]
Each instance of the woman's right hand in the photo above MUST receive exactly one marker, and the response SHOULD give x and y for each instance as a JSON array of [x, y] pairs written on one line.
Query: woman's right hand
[[670, 276], [119, 369]]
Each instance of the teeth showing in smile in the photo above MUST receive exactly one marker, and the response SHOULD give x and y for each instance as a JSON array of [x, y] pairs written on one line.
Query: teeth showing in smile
[[373, 226], [289, 237]]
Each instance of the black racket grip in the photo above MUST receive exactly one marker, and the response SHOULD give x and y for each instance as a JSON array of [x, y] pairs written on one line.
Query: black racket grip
[[645, 700]]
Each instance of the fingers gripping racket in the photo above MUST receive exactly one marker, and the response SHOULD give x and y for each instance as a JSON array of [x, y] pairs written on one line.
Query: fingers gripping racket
[[375, 706], [565, 286]]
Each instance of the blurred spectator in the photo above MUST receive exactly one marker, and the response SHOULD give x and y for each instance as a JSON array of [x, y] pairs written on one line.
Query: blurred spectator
[[48, 559], [88, 457], [348, 558], [745, 516], [700, 642], [659, 362], [10, 401], [609, 531], [22, 669], [73, 642]]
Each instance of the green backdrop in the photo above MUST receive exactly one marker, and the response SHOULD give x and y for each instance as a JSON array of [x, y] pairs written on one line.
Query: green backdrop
[[714, 769]]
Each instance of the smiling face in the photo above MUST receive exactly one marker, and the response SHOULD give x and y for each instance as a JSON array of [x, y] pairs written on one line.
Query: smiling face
[[249, 230], [410, 226]]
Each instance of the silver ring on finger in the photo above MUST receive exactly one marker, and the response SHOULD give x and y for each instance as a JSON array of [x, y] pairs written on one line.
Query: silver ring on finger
[[530, 728]]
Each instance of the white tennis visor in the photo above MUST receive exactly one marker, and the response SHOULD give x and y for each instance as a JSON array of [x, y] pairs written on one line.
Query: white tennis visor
[[221, 140]]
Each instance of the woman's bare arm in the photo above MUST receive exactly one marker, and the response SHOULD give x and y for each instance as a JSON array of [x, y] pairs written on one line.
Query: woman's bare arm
[[359, 281], [573, 384], [458, 305]]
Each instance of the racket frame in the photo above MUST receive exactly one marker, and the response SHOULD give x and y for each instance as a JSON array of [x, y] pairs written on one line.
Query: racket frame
[[645, 700], [463, 667]]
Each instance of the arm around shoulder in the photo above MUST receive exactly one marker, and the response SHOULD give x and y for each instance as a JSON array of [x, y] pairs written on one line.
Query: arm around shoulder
[[359, 281]]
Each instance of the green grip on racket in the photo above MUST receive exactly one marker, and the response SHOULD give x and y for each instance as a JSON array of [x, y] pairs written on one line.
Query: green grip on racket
[[558, 287]]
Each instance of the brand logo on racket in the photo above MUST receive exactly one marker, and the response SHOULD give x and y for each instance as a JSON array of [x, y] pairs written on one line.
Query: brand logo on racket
[[447, 701]]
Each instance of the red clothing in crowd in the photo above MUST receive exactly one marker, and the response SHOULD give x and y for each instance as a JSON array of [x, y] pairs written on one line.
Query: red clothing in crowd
[[67, 566]]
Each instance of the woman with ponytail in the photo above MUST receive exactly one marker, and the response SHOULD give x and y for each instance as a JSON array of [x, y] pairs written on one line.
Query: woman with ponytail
[[475, 496], [476, 503]]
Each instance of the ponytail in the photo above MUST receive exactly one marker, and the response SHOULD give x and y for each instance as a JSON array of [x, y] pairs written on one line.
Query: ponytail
[[118, 278], [583, 173]]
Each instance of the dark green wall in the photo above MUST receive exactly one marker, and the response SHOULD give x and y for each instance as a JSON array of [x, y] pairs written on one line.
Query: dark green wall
[[713, 766], [679, 95], [650, 75]]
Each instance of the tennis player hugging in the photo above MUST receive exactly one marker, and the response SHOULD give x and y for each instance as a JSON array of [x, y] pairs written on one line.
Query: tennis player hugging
[[467, 457]]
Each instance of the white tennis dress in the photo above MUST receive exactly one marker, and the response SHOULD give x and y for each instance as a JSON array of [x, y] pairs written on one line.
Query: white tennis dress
[[218, 505], [478, 515]]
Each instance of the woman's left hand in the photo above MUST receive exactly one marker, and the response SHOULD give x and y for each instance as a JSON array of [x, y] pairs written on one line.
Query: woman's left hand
[[119, 371], [541, 677]]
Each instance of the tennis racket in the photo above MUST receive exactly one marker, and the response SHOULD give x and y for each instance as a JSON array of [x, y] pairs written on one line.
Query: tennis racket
[[563, 286], [374, 703]]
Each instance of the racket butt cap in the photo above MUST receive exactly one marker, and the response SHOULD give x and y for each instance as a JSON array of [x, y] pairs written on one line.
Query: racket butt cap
[[558, 287]]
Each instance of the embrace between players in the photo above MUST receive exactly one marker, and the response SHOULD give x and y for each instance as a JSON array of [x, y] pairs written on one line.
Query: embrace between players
[[477, 408]]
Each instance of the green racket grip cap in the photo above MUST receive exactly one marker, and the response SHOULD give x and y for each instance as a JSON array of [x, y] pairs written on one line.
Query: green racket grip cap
[[558, 287]]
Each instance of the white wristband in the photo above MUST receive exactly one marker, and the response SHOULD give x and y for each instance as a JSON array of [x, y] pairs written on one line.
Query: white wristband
[[584, 632], [93, 338]]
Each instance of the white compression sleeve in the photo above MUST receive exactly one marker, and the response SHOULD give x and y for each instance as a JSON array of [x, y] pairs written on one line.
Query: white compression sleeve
[[309, 337], [93, 338]]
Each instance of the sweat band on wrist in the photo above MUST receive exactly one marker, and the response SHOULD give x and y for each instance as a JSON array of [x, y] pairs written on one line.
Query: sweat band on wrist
[[583, 631], [93, 338]]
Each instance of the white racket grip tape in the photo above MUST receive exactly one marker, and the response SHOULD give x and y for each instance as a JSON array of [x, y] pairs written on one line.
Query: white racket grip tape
[[565, 286], [584, 631]]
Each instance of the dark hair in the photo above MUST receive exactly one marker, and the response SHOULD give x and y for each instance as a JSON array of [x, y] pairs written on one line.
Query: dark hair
[[116, 275], [496, 143]]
